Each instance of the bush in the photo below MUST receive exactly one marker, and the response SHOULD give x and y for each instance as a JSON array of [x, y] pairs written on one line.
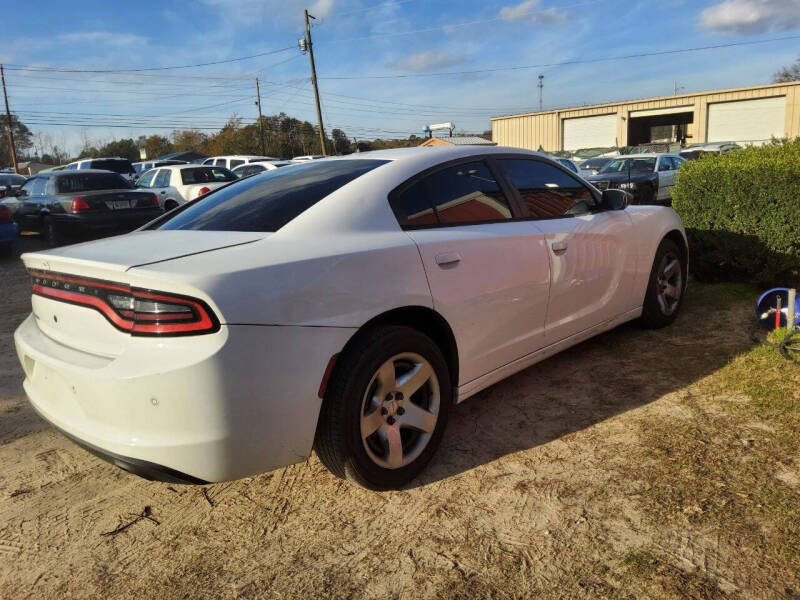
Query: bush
[[742, 214]]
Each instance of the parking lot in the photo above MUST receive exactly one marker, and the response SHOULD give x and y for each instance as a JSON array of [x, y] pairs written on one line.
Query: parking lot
[[543, 486]]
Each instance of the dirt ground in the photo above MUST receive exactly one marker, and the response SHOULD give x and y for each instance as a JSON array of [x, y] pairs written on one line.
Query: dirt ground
[[540, 489]]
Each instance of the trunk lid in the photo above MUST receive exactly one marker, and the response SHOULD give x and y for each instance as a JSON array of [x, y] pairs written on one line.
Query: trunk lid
[[103, 258], [88, 330], [191, 190], [105, 200]]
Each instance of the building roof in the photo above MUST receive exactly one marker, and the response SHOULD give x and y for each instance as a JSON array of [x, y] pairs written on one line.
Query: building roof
[[652, 99], [459, 140]]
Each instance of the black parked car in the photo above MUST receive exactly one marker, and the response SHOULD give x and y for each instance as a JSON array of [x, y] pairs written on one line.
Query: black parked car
[[10, 183], [648, 177], [83, 204]]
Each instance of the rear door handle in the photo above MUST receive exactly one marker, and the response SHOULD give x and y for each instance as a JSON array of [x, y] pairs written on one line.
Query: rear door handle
[[448, 258], [559, 248]]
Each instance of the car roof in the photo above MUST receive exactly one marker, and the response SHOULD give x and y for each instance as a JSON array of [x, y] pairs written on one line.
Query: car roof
[[645, 155], [237, 156], [64, 173]]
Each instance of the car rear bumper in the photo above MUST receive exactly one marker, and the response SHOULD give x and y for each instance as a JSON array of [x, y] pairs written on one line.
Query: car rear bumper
[[8, 233], [122, 221], [192, 409]]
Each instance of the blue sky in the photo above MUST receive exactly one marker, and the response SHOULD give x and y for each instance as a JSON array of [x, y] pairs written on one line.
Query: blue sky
[[357, 38]]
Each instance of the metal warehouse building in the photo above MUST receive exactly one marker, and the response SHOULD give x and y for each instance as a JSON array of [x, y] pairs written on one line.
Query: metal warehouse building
[[750, 115]]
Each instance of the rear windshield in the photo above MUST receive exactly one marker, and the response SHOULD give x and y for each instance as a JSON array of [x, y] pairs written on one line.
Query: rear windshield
[[206, 175], [118, 166], [270, 200], [88, 182], [12, 179]]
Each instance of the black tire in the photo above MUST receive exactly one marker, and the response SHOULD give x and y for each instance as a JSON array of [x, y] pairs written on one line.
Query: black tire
[[9, 250], [660, 312], [169, 205], [339, 443], [52, 236]]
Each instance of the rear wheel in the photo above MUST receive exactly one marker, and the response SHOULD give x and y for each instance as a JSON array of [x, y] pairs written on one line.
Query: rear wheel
[[170, 204], [386, 409], [665, 287]]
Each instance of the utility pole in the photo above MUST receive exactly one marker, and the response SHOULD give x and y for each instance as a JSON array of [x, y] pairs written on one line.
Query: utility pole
[[8, 116], [261, 121], [310, 48], [541, 87]]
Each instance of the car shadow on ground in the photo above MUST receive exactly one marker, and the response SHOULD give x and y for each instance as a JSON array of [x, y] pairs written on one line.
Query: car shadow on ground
[[613, 373]]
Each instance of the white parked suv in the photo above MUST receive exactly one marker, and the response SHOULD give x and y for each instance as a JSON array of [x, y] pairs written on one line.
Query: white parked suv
[[177, 184], [234, 160], [343, 304]]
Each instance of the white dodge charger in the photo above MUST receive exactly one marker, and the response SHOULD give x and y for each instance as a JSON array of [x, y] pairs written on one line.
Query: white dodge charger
[[342, 305]]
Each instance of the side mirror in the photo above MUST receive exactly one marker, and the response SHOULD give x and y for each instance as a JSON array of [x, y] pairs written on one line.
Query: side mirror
[[616, 199]]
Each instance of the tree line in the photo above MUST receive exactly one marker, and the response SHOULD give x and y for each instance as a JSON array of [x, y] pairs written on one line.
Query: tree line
[[283, 136]]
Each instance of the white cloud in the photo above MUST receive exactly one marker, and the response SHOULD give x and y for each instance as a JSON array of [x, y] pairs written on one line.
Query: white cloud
[[752, 16], [321, 8], [426, 61], [102, 37], [525, 11]]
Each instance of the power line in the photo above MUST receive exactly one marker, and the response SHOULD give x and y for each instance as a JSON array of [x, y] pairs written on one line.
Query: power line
[[141, 69], [570, 62]]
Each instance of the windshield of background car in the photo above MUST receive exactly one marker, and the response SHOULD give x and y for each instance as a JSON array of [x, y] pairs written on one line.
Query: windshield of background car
[[266, 202], [594, 163], [118, 166], [11, 180], [206, 175], [636, 165], [89, 182]]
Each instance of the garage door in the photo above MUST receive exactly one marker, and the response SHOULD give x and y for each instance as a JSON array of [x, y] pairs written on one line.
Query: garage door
[[590, 132], [746, 120]]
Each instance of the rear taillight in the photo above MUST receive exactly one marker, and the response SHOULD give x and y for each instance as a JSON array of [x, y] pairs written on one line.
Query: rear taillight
[[133, 310], [79, 205], [5, 214], [203, 191], [151, 200]]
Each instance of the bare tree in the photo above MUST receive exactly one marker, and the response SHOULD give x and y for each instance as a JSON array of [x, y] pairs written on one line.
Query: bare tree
[[790, 73]]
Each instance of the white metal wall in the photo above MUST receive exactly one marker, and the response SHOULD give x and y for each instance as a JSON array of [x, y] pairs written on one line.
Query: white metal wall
[[747, 120]]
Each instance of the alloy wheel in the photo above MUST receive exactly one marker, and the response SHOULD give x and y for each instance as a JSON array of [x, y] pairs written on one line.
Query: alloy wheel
[[669, 282], [400, 410]]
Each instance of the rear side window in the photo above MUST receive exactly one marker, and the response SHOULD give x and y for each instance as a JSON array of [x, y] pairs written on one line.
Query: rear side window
[[236, 163], [162, 179], [545, 190], [459, 195], [220, 162], [87, 182], [268, 202], [37, 189], [206, 175], [146, 180]]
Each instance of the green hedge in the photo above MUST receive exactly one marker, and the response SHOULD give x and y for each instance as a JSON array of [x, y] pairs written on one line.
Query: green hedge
[[742, 214]]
